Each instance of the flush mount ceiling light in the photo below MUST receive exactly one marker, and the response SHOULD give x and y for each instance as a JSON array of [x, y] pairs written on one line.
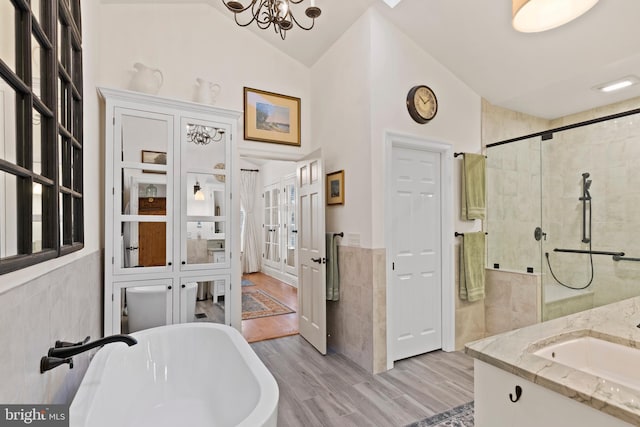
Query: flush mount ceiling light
[[273, 12], [532, 16], [618, 84]]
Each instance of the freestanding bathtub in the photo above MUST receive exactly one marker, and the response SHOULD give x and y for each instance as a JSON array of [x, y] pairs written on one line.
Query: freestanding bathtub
[[191, 374]]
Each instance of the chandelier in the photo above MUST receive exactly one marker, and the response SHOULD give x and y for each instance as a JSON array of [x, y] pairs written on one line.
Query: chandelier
[[276, 12], [203, 135]]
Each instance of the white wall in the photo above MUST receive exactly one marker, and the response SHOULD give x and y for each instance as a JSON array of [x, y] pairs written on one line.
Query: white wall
[[356, 102], [341, 107], [187, 41]]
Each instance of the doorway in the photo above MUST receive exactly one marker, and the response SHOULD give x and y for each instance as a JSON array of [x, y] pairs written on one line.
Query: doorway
[[269, 284], [419, 238]]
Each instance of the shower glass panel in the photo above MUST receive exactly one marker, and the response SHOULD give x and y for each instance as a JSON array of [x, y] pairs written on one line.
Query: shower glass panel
[[565, 207], [591, 190], [514, 201]]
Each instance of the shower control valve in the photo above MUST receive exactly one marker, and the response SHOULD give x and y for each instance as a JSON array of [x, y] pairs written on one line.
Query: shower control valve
[[538, 234]]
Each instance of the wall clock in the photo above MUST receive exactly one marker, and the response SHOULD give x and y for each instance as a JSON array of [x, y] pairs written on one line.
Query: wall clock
[[422, 104]]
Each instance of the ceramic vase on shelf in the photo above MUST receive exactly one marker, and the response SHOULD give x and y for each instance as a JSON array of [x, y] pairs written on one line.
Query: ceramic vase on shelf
[[146, 79], [206, 92]]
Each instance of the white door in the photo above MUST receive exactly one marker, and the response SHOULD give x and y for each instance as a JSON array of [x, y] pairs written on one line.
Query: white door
[[312, 313], [416, 288]]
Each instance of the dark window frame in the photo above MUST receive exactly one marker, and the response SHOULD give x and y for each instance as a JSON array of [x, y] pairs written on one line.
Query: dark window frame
[[59, 106]]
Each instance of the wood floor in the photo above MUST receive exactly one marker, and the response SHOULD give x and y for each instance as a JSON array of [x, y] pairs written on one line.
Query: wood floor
[[331, 390], [265, 328]]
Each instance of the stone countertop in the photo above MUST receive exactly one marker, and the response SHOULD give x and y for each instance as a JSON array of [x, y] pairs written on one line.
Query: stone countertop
[[513, 352]]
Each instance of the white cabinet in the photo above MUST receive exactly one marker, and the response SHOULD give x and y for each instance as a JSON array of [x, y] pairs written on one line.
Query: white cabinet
[[168, 207], [494, 390]]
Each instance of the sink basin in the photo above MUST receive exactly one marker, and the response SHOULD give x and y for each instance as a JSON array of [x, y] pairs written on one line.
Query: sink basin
[[607, 360]]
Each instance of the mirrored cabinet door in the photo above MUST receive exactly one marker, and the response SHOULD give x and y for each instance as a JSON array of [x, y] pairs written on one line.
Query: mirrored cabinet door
[[205, 195], [202, 299], [142, 193], [142, 305]]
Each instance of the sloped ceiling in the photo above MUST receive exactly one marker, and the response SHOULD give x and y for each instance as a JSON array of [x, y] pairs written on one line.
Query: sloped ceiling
[[548, 75]]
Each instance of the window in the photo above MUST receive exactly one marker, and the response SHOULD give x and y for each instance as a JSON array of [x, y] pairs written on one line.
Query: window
[[41, 205]]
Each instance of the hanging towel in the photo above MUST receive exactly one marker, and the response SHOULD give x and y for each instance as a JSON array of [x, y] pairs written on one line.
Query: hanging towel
[[472, 266], [473, 187], [333, 275]]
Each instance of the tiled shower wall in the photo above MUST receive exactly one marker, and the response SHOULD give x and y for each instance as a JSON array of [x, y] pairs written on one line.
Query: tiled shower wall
[[64, 304], [610, 152]]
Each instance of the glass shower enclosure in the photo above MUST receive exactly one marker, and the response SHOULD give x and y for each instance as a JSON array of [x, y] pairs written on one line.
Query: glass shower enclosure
[[564, 205]]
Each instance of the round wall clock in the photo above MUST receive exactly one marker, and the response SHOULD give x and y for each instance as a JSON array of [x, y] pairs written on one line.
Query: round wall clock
[[422, 104]]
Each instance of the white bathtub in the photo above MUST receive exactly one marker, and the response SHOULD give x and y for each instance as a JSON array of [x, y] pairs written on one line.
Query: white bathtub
[[192, 374]]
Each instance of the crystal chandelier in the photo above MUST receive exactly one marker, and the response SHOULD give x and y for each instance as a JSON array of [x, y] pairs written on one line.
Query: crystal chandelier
[[203, 135], [276, 12]]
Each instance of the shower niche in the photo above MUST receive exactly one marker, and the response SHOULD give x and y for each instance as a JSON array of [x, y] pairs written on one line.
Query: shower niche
[[168, 212]]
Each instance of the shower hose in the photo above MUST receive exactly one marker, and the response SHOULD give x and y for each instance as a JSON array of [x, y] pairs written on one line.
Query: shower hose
[[546, 254]]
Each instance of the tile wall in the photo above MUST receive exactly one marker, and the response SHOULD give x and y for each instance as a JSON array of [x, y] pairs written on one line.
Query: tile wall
[[64, 304]]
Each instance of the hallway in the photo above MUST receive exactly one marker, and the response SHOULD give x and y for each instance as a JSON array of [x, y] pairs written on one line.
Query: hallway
[[265, 328]]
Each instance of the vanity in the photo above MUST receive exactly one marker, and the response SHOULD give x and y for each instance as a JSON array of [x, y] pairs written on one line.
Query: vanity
[[583, 369]]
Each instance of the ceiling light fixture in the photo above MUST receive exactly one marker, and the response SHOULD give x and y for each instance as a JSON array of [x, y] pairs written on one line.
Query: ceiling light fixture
[[197, 192], [618, 84], [532, 16], [273, 12], [203, 135]]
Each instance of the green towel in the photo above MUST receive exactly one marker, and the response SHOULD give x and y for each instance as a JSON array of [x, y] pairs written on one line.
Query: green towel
[[333, 275], [473, 187], [472, 266]]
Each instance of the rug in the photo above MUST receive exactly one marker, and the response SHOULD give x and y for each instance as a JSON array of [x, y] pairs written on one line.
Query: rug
[[257, 303], [461, 416], [247, 282]]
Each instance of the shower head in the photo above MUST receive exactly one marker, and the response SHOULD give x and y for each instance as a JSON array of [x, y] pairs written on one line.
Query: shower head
[[587, 185]]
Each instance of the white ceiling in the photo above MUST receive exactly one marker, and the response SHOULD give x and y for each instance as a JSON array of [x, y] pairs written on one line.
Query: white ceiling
[[549, 74]]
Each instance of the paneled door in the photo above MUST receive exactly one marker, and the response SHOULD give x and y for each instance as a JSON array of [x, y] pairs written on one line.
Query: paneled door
[[416, 286], [312, 315]]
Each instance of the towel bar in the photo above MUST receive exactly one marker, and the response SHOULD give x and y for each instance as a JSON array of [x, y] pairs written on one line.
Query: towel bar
[[456, 234], [462, 154]]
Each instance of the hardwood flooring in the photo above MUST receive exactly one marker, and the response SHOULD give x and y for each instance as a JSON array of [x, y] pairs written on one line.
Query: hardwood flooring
[[265, 328], [331, 390]]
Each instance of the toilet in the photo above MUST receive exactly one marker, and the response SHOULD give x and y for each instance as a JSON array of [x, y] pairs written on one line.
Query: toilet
[[147, 305]]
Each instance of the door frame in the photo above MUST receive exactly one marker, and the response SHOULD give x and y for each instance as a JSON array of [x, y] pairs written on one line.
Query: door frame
[[394, 139]]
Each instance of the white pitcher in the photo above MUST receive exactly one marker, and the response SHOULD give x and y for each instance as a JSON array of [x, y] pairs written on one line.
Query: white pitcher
[[206, 92], [146, 79]]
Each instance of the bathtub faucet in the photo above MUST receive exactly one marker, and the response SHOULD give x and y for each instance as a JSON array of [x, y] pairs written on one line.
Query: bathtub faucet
[[63, 350]]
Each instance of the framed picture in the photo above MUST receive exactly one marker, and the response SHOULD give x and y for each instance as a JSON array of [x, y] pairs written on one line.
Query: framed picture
[[154, 157], [335, 188], [270, 117]]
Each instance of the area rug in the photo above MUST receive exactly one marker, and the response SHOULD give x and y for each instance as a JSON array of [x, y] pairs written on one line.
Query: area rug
[[257, 303], [247, 282], [461, 416]]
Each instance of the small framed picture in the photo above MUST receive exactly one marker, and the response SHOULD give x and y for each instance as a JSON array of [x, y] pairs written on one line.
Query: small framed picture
[[335, 188], [154, 157], [271, 117]]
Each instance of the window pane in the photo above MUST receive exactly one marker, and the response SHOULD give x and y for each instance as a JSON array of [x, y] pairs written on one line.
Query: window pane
[[36, 71], [8, 115], [61, 36], [8, 215], [8, 33], [62, 103], [37, 218], [36, 8], [37, 142], [66, 220]]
